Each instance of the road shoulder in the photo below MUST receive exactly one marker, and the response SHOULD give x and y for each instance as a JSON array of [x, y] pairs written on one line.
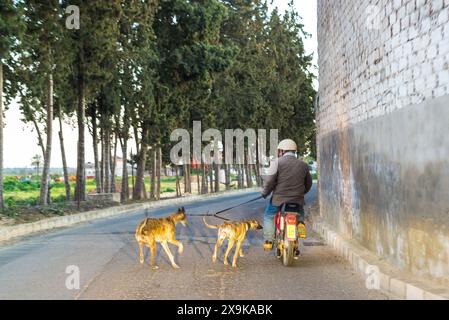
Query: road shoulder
[[378, 272]]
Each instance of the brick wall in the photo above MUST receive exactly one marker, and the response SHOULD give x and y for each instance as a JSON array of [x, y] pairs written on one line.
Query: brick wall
[[383, 127], [380, 55]]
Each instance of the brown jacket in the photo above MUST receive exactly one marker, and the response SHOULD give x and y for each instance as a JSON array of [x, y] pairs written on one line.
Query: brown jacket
[[290, 183]]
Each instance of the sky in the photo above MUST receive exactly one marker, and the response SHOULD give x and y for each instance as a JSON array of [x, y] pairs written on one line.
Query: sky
[[20, 141]]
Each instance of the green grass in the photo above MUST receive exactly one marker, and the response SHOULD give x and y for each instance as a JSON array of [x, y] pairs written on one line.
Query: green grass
[[27, 193]]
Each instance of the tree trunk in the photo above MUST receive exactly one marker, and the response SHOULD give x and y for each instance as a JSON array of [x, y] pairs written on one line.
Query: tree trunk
[[249, 171], [184, 173], [2, 204], [153, 174], [217, 177], [113, 165], [44, 189], [40, 141], [133, 180], [98, 182], [140, 174], [145, 193], [249, 178], [124, 195], [237, 170], [258, 177], [107, 161], [189, 179], [158, 172], [178, 186], [102, 160], [227, 176], [136, 138], [80, 189], [240, 176], [49, 195], [211, 178], [64, 162], [244, 176], [204, 184]]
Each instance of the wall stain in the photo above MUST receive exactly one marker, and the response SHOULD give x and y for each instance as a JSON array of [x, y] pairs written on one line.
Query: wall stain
[[372, 192]]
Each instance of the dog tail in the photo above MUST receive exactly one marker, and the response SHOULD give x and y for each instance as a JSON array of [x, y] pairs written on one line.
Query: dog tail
[[209, 225], [139, 229]]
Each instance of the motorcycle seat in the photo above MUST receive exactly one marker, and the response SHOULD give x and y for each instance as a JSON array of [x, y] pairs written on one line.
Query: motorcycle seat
[[291, 207]]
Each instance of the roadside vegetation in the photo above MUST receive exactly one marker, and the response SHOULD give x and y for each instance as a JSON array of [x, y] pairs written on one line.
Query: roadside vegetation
[[26, 192]]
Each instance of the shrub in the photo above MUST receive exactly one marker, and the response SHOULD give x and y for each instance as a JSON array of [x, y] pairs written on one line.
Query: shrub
[[58, 210], [59, 199], [10, 202], [57, 185], [9, 185]]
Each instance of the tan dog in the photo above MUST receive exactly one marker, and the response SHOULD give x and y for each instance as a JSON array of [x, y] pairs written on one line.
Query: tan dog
[[150, 231], [235, 232]]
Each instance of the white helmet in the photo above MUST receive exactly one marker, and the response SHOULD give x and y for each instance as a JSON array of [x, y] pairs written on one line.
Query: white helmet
[[287, 145]]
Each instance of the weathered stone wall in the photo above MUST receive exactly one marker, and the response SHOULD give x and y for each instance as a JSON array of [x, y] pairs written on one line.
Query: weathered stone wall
[[383, 127]]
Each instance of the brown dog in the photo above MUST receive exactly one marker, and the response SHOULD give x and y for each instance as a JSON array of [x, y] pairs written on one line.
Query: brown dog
[[235, 232], [150, 231]]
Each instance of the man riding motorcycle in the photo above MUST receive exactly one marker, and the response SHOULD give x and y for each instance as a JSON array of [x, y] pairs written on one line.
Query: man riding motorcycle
[[288, 184]]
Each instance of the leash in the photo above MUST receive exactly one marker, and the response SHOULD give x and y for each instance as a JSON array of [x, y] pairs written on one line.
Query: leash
[[216, 214], [241, 204]]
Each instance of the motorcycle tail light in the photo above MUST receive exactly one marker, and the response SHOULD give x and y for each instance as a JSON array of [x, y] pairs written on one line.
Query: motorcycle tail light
[[290, 219]]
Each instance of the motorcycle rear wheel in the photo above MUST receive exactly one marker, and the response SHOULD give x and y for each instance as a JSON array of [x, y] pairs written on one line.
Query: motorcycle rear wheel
[[288, 253]]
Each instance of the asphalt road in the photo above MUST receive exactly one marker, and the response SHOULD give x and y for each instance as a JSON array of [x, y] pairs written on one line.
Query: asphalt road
[[106, 255]]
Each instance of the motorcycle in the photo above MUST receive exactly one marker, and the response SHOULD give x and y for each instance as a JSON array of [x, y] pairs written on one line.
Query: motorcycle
[[287, 237]]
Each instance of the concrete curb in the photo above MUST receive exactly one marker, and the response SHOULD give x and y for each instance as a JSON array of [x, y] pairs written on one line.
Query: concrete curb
[[10, 232], [387, 278]]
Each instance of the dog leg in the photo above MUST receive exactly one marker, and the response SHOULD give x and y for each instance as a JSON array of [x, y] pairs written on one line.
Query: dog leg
[[140, 252], [169, 254], [241, 253], [238, 249], [230, 245], [153, 255], [217, 245], [178, 244]]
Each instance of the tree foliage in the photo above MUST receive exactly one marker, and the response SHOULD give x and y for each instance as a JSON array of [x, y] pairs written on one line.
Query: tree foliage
[[137, 69]]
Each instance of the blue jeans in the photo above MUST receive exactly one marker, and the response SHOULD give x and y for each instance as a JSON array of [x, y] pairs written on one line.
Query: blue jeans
[[268, 221]]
